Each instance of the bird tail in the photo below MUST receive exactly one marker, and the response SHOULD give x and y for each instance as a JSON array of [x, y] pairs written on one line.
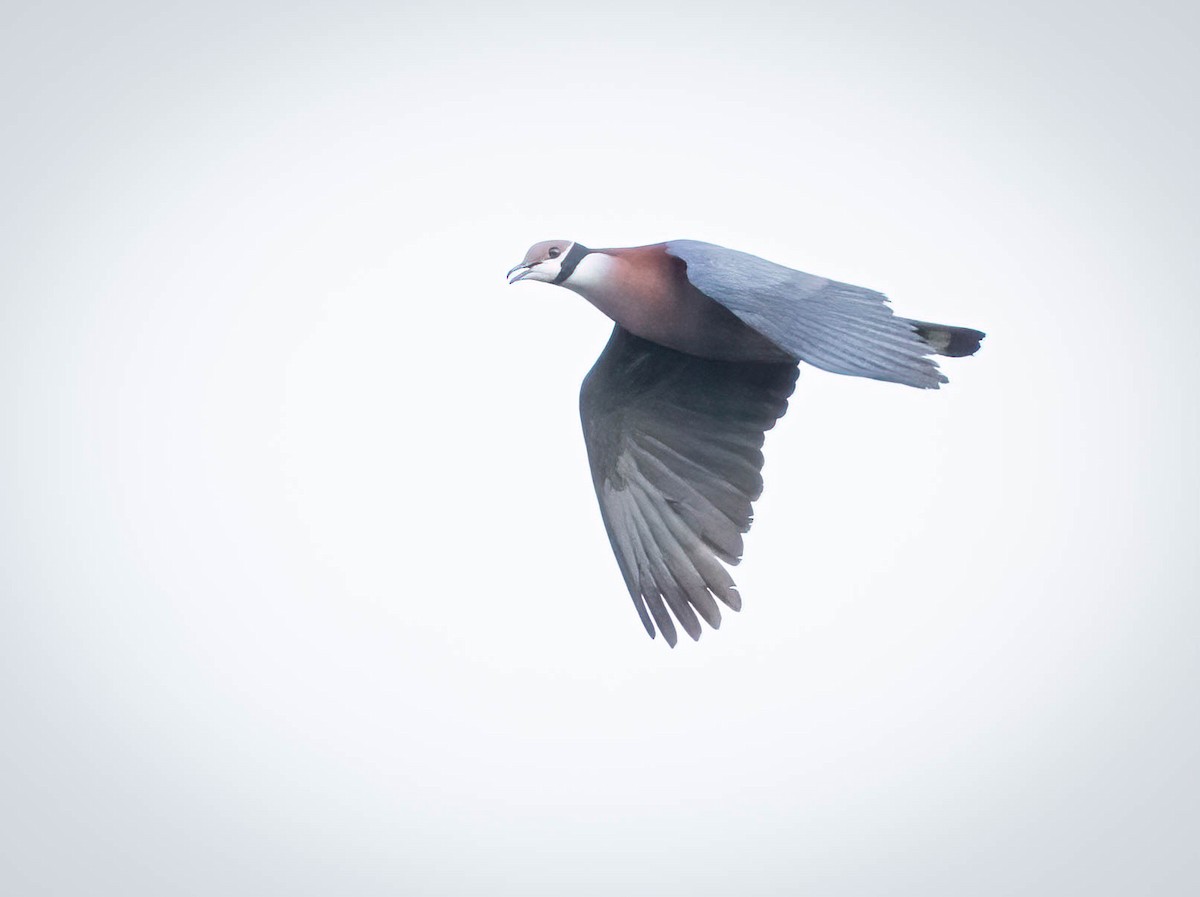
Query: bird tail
[[953, 342]]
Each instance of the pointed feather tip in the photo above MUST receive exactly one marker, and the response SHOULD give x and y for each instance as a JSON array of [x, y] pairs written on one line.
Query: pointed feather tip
[[732, 599]]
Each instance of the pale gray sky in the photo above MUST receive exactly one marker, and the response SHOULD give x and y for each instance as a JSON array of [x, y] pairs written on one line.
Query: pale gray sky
[[305, 588]]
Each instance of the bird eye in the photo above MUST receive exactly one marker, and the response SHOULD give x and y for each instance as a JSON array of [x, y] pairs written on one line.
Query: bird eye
[[554, 252]]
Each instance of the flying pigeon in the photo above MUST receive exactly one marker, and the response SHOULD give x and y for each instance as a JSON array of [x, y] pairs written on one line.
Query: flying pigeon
[[700, 364]]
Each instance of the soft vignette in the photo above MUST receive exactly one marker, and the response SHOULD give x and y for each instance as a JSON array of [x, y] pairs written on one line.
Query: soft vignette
[[304, 584]]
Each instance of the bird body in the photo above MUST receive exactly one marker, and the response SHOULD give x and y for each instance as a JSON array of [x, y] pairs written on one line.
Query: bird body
[[646, 290], [700, 365]]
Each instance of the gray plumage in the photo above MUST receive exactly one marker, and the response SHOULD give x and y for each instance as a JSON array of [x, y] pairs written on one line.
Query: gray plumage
[[700, 365], [835, 326], [675, 446]]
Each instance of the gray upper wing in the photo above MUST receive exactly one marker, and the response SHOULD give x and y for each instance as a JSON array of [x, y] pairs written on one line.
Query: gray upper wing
[[675, 447], [834, 326]]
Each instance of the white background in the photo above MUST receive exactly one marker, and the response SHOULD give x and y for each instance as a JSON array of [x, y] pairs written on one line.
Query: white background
[[304, 586]]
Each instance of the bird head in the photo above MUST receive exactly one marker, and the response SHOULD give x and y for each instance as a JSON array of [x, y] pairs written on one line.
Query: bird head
[[551, 261]]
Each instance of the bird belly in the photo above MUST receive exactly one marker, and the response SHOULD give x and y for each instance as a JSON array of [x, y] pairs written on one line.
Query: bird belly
[[710, 330]]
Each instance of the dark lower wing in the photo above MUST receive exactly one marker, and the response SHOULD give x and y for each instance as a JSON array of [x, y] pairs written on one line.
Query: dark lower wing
[[675, 447]]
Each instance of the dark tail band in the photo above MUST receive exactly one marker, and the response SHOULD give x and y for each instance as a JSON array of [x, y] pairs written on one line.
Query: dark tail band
[[954, 342]]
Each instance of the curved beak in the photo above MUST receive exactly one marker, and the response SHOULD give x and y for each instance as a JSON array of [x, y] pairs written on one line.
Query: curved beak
[[522, 270]]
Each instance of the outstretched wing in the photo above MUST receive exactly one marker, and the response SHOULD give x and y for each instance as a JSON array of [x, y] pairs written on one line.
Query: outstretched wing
[[675, 446], [834, 326]]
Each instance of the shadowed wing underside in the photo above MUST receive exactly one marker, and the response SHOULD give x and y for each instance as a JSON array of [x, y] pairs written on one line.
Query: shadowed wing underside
[[675, 446]]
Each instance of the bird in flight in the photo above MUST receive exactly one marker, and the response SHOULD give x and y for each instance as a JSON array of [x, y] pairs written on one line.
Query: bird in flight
[[700, 364]]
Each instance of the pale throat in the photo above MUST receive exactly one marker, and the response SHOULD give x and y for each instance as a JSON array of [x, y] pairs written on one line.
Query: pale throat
[[603, 281], [594, 271], [632, 295]]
